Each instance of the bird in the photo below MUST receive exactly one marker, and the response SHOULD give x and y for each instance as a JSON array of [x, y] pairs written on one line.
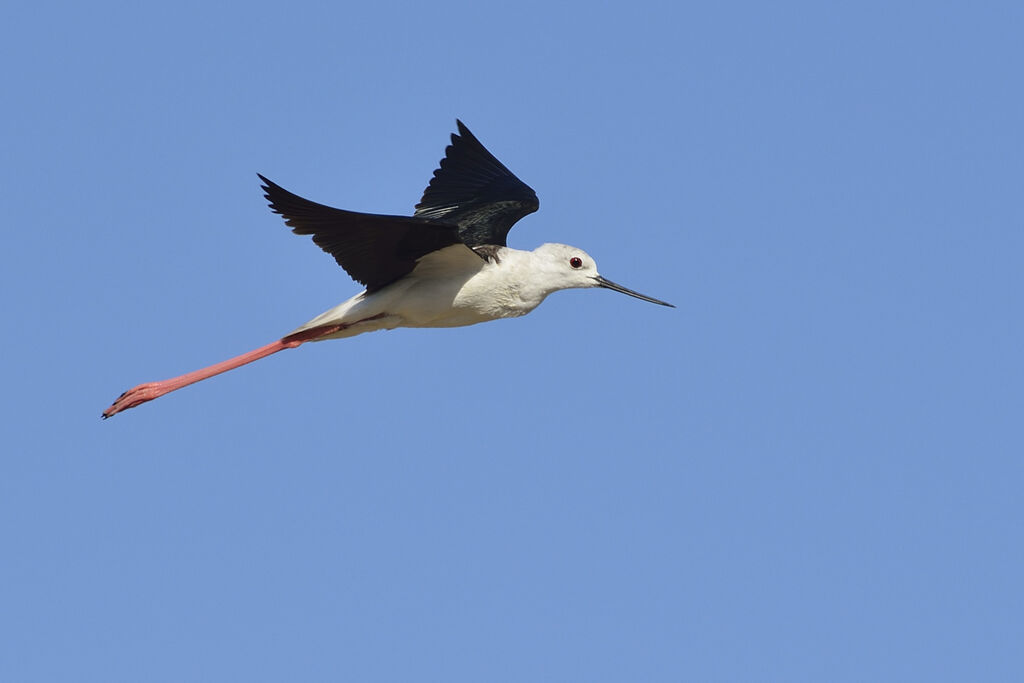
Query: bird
[[447, 265]]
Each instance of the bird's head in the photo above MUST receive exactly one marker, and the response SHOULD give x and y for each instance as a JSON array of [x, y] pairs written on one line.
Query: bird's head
[[566, 267]]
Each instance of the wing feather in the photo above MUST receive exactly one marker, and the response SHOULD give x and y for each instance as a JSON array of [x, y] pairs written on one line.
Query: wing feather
[[374, 249], [475, 191]]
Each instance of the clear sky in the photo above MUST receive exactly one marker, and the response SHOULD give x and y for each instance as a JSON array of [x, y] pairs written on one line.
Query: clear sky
[[811, 470]]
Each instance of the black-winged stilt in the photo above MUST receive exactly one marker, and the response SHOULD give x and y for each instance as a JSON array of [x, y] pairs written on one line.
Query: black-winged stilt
[[445, 266]]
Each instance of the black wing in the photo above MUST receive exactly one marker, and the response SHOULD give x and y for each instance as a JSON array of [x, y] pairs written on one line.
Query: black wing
[[376, 250], [476, 192]]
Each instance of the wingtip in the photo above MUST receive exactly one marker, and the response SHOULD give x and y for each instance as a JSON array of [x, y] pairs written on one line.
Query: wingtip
[[463, 131], [269, 188]]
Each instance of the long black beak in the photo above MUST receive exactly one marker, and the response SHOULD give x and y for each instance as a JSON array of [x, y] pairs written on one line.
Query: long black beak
[[608, 284]]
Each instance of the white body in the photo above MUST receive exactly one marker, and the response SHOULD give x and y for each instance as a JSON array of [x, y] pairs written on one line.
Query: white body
[[454, 286]]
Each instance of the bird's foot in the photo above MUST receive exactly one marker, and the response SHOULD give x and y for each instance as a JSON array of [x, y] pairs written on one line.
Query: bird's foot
[[134, 397]]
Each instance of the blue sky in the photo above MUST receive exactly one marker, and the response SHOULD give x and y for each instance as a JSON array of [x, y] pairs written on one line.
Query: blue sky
[[810, 470]]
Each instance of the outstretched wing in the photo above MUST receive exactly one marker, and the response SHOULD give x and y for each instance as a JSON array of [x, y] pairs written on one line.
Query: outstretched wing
[[475, 191], [374, 249]]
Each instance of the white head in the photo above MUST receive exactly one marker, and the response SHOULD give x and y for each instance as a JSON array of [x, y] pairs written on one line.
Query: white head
[[560, 266]]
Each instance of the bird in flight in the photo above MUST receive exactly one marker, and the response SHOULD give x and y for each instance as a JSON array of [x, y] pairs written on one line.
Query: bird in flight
[[447, 265]]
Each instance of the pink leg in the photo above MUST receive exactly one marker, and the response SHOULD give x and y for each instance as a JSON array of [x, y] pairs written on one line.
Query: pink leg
[[147, 392]]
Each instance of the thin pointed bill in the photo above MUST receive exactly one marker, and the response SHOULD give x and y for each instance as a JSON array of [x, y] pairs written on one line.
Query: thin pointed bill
[[608, 284]]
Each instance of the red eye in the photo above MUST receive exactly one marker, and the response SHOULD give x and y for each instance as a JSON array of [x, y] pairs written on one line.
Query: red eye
[[576, 262]]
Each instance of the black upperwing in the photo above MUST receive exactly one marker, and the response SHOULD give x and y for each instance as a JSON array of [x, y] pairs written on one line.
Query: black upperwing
[[374, 249], [476, 192]]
